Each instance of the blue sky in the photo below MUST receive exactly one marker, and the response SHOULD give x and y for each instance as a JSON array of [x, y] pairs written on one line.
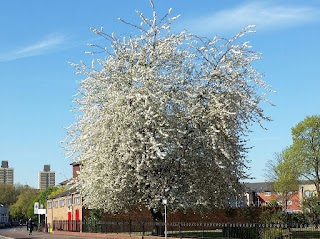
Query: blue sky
[[39, 38]]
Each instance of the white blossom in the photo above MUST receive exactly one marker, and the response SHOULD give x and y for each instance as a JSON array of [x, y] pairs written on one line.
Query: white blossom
[[166, 117]]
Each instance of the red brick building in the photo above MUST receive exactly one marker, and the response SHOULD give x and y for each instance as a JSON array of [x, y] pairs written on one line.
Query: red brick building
[[261, 194]]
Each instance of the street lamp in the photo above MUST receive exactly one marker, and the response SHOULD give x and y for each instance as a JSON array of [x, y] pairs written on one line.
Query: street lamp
[[164, 202]]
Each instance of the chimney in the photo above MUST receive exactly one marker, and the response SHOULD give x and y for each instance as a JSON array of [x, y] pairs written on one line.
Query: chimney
[[75, 169]]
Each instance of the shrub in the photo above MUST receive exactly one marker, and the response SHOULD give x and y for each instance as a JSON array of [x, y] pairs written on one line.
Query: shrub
[[231, 212]]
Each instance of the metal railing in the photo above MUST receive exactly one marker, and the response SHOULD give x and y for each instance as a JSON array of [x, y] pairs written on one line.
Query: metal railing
[[194, 229]]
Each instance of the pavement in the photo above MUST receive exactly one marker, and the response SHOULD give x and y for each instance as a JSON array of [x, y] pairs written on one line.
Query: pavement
[[22, 233]]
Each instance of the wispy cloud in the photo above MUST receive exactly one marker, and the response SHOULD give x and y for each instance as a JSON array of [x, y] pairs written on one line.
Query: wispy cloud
[[44, 46], [265, 16]]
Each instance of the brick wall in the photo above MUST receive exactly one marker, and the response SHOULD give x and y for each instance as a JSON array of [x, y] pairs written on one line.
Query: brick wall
[[63, 212], [232, 215], [293, 200]]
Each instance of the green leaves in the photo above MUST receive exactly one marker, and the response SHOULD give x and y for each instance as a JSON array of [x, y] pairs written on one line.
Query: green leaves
[[305, 149], [287, 174], [302, 159], [23, 207], [311, 209]]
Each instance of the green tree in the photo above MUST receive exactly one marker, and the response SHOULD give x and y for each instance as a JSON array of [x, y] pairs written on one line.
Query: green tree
[[21, 208], [304, 153], [57, 190], [286, 175], [311, 209], [8, 194], [42, 198]]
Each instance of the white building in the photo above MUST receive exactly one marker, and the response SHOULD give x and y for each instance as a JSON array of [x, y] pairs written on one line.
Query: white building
[[6, 173], [4, 214], [46, 178]]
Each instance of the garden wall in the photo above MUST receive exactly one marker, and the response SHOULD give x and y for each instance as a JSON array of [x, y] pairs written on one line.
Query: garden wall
[[232, 215]]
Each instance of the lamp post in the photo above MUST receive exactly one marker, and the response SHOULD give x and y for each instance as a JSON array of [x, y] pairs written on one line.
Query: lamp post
[[164, 202]]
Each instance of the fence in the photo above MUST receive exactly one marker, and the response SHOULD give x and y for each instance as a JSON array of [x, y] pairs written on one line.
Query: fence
[[195, 230]]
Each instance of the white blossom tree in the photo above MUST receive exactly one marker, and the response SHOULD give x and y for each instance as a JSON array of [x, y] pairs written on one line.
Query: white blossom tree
[[165, 115]]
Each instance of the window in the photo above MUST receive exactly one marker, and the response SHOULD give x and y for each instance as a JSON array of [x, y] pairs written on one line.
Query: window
[[307, 193], [49, 204], [289, 203], [55, 203], [267, 194], [77, 200], [69, 202], [62, 203]]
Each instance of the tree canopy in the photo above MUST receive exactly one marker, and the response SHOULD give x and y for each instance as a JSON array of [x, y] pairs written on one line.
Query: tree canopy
[[286, 173], [165, 115], [8, 194], [25, 200], [305, 149], [301, 160]]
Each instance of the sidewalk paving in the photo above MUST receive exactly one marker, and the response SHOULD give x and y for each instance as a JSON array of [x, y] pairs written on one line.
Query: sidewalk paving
[[17, 233], [22, 233]]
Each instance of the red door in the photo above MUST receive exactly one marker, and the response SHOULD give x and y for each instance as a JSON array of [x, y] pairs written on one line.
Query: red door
[[78, 220], [69, 221], [77, 215]]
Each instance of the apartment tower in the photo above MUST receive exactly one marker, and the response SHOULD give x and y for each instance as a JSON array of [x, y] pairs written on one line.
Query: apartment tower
[[46, 178], [6, 173]]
